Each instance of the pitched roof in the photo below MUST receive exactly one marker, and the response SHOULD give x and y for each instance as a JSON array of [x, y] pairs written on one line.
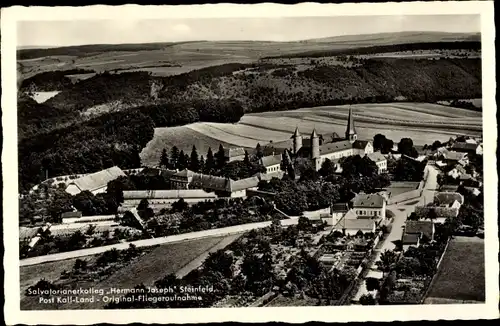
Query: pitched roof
[[456, 156], [209, 182], [296, 133], [360, 144], [376, 157], [234, 152], [243, 183], [27, 233], [368, 201], [270, 160], [356, 224], [268, 176], [98, 179], [409, 239], [448, 198], [464, 146], [167, 194], [340, 207], [417, 227], [314, 134], [334, 147], [71, 214], [184, 173]]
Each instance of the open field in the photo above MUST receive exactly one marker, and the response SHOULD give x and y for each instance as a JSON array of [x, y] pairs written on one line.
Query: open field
[[461, 275], [165, 259], [423, 122], [176, 58], [184, 138]]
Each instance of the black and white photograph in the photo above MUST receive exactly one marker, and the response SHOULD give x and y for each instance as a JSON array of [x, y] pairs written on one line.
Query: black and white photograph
[[297, 161]]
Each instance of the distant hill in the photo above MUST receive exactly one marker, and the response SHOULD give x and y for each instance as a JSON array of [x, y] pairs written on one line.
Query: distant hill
[[339, 42], [395, 38]]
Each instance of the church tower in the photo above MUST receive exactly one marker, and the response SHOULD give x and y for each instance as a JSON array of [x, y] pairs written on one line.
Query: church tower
[[315, 157], [297, 141], [350, 133]]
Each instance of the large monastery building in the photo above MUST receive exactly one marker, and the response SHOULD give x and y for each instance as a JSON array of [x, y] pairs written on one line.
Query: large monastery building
[[319, 148]]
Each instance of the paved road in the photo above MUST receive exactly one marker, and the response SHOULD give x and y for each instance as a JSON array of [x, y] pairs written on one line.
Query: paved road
[[151, 242], [401, 212]]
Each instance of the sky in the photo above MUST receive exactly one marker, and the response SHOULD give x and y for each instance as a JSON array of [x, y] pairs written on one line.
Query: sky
[[79, 32]]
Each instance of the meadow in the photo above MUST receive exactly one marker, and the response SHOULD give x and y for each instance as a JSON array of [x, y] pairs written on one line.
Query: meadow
[[461, 275], [164, 59], [424, 123]]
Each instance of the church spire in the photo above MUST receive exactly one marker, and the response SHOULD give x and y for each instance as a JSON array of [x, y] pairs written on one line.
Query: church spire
[[350, 132]]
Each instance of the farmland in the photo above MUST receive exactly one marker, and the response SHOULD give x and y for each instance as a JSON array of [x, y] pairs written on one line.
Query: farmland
[[461, 275], [428, 122], [177, 258]]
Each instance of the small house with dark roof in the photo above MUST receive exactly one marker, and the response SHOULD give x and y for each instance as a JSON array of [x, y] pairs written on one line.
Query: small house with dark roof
[[467, 147], [369, 205], [417, 231]]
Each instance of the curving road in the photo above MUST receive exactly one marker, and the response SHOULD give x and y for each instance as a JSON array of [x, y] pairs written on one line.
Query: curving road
[[401, 212]]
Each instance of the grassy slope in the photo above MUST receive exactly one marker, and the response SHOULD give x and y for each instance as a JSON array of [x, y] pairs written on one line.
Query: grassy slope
[[278, 126], [461, 274], [184, 56]]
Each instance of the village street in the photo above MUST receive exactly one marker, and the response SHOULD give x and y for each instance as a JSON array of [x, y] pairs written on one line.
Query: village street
[[401, 211]]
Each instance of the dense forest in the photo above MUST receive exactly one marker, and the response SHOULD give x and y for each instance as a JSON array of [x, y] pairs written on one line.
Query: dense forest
[[51, 80], [59, 137]]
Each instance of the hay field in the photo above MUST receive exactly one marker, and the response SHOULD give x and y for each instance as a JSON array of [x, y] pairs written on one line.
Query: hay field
[[422, 122], [461, 275], [183, 137]]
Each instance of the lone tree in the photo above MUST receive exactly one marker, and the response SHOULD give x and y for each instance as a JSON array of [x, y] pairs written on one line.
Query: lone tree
[[164, 162], [174, 157], [387, 261], [194, 164], [210, 162], [220, 157]]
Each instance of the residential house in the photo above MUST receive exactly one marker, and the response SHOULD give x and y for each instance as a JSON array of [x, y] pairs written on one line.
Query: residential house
[[369, 205], [165, 198], [350, 226], [272, 163], [415, 232], [467, 147], [379, 160], [95, 182], [234, 154], [453, 157], [457, 171]]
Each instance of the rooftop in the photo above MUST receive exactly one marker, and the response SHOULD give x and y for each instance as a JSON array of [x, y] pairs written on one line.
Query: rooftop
[[376, 157], [166, 194], [448, 198], [368, 201], [270, 160], [234, 152], [355, 224], [409, 239], [419, 227], [464, 146], [98, 180]]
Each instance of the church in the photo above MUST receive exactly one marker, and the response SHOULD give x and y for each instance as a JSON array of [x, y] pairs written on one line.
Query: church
[[319, 148]]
